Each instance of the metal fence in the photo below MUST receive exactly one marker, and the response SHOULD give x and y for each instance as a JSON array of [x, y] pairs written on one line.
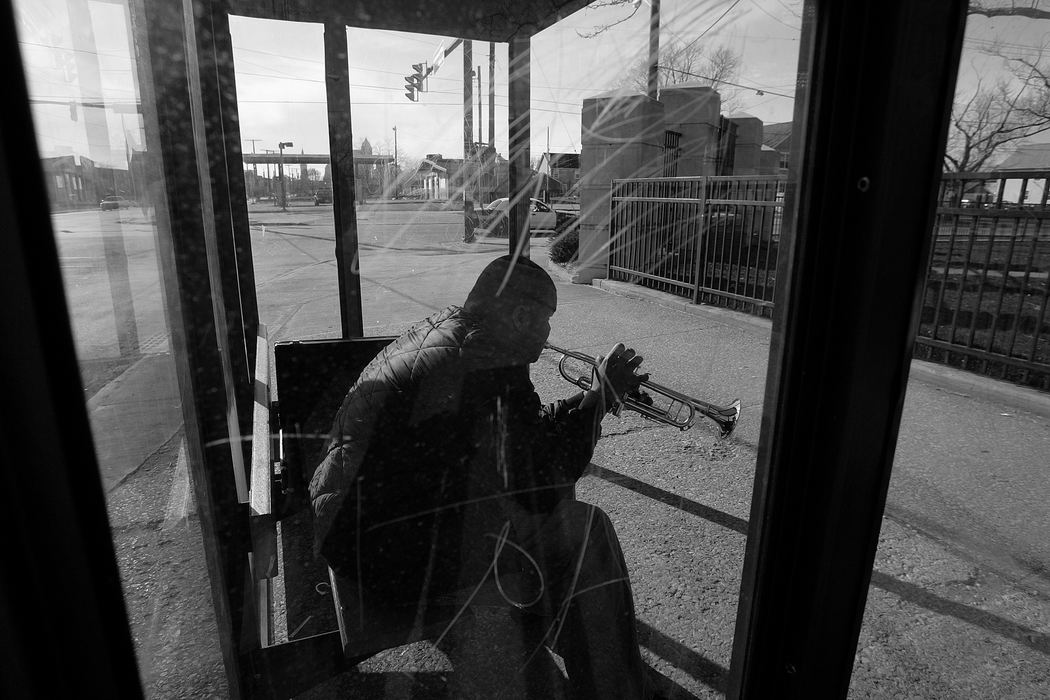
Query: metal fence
[[716, 240], [985, 300], [672, 152], [712, 239]]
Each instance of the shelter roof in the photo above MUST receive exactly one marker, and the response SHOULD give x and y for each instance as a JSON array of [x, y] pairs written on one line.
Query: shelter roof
[[486, 20]]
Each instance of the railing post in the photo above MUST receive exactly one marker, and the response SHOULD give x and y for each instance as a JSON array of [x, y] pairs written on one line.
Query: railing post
[[699, 252]]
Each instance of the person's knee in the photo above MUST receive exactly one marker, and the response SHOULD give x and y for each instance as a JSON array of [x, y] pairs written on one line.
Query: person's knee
[[578, 516]]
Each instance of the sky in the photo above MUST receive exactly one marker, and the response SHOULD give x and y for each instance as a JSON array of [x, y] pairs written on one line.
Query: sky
[[279, 63], [280, 74]]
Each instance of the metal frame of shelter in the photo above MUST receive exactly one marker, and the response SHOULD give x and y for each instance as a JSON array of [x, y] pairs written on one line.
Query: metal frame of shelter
[[841, 340]]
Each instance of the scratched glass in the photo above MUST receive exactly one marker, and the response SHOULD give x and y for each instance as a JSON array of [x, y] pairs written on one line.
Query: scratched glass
[[959, 590], [452, 557], [106, 195]]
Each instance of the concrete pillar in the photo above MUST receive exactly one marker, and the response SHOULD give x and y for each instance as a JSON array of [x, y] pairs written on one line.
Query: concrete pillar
[[747, 158], [623, 137], [693, 111]]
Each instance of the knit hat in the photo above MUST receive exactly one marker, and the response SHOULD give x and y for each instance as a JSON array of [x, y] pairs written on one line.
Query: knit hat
[[511, 280]]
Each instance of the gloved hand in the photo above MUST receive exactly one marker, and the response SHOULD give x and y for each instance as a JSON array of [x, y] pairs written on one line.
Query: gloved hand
[[616, 375]]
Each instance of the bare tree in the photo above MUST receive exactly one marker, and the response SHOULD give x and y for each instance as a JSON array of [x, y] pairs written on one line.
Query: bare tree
[[633, 5], [685, 63], [991, 118]]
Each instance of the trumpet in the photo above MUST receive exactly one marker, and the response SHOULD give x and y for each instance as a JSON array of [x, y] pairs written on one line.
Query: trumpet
[[668, 406]]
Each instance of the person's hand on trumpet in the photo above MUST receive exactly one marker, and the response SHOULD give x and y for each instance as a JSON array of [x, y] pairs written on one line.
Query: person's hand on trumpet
[[615, 376]]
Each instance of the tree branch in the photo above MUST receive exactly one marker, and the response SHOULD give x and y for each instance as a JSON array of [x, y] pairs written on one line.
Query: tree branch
[[980, 8]]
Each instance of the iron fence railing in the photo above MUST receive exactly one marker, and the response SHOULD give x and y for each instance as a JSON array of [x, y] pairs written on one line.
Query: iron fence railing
[[712, 239], [716, 240], [986, 295]]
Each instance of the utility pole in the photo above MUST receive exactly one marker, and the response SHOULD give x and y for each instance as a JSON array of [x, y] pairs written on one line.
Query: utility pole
[[468, 99], [269, 172], [396, 178], [255, 169], [468, 138], [492, 94], [654, 49], [280, 172]]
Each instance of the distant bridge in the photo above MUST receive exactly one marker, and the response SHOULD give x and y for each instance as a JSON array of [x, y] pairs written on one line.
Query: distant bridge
[[310, 159]]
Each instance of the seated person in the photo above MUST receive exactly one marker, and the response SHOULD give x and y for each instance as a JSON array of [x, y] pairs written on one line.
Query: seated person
[[446, 482]]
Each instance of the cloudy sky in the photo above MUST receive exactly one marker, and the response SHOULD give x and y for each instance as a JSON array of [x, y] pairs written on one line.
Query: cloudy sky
[[280, 74], [281, 63]]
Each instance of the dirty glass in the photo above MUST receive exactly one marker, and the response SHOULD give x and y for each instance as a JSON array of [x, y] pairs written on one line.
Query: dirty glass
[[657, 222], [102, 184], [622, 224], [959, 604]]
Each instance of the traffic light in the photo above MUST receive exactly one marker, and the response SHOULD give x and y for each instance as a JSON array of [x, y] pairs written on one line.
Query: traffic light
[[414, 82]]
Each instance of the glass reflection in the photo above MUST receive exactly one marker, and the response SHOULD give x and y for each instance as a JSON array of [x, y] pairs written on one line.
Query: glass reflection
[[431, 199], [102, 182], [958, 599]]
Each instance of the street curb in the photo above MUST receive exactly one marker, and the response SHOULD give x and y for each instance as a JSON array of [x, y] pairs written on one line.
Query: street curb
[[938, 376]]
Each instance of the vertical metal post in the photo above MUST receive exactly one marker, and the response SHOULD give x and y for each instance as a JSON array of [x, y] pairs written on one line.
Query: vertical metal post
[[280, 176], [702, 222], [518, 149], [820, 485], [341, 147], [183, 120], [232, 212]]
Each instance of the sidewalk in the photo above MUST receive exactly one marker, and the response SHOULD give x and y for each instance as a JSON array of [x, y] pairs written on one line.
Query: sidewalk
[[960, 600]]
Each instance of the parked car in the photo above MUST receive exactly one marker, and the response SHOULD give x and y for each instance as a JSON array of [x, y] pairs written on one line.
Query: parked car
[[323, 196], [114, 201], [493, 217]]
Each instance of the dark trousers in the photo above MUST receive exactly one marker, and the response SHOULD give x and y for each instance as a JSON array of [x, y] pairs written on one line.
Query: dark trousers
[[559, 581]]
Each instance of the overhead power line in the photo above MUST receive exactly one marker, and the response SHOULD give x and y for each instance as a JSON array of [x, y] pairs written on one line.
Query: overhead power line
[[759, 90]]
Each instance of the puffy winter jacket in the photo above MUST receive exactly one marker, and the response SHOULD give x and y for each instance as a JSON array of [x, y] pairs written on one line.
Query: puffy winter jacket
[[429, 447]]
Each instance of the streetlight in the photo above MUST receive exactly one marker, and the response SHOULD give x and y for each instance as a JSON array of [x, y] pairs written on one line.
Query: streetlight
[[280, 171]]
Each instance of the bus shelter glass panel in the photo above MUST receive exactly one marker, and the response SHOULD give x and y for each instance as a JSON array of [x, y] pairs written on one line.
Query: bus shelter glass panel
[[280, 74], [959, 594], [680, 197], [102, 185], [654, 221], [659, 223]]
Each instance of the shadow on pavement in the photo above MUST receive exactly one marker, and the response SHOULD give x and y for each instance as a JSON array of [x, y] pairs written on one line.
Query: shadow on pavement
[[696, 664]]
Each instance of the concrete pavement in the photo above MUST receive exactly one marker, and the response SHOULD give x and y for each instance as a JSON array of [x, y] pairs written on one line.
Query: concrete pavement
[[960, 605]]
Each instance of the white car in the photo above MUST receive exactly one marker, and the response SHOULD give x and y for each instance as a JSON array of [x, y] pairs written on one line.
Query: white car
[[494, 216]]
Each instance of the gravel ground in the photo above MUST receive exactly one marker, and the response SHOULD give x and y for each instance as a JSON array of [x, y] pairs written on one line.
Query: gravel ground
[[937, 625], [166, 586]]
